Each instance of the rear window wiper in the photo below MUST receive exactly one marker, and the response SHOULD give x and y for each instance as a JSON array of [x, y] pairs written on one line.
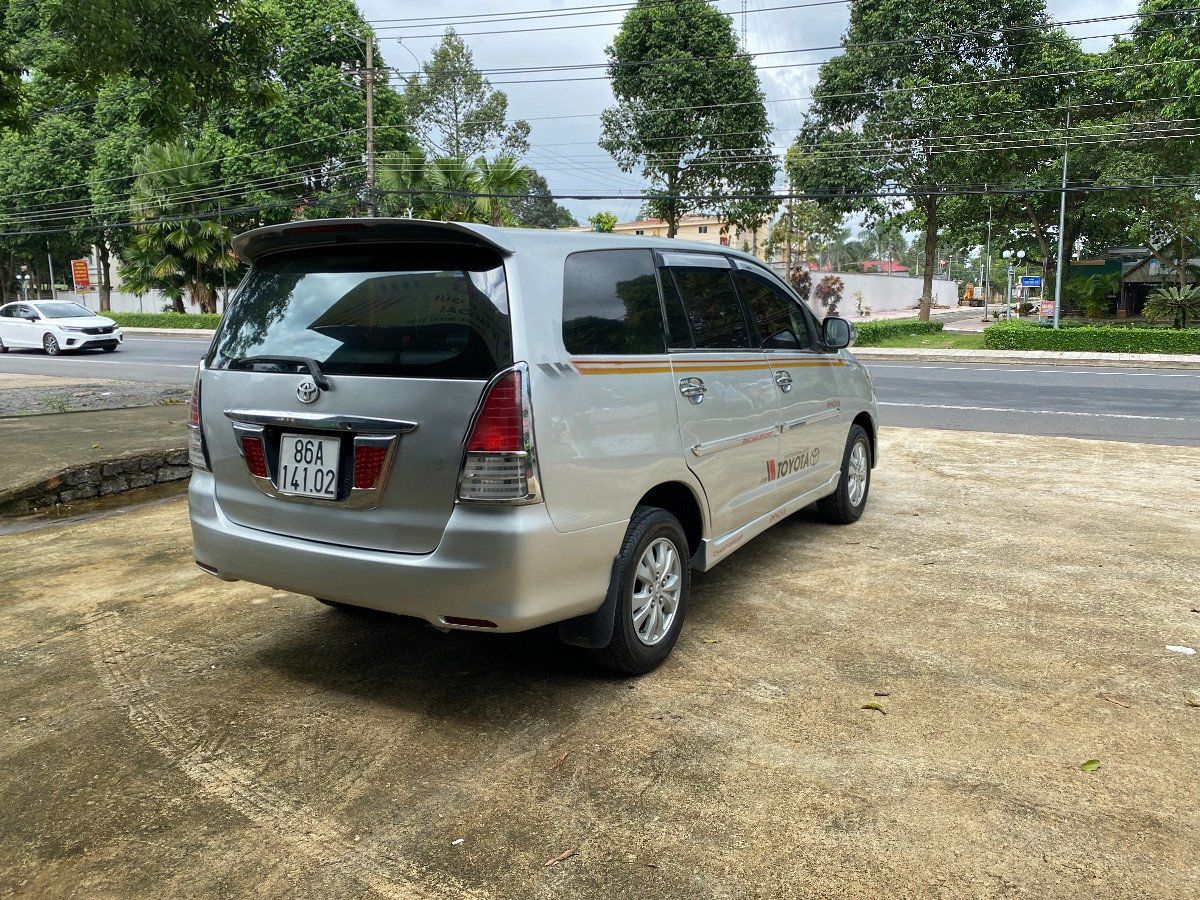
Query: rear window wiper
[[307, 362]]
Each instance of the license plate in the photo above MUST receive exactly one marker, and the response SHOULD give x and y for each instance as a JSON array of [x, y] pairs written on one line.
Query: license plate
[[308, 466]]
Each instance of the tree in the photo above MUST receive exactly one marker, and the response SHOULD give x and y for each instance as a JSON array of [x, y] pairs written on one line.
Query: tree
[[177, 246], [603, 221], [454, 109], [453, 182], [200, 54], [1173, 303], [402, 177], [690, 114], [884, 114], [503, 175], [537, 209]]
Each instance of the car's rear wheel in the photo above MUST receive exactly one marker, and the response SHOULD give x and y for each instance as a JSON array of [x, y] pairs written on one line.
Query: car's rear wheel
[[652, 579], [3, 347], [50, 345], [847, 503]]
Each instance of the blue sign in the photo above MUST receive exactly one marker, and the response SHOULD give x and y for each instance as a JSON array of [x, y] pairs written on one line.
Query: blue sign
[[1031, 281]]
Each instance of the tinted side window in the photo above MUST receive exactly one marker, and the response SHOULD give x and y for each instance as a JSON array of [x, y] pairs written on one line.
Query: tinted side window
[[779, 321], [610, 303], [712, 308], [8, 312]]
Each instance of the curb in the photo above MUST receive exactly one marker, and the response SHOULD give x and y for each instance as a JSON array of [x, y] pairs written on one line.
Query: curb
[[104, 478], [1031, 357], [172, 332]]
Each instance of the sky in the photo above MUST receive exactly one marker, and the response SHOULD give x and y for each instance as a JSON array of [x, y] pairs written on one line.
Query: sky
[[564, 116]]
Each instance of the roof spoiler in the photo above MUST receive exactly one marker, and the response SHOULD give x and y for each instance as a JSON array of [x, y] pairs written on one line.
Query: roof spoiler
[[250, 245]]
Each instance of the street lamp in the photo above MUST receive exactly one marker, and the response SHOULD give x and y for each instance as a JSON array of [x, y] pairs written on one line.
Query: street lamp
[[1011, 258], [24, 279]]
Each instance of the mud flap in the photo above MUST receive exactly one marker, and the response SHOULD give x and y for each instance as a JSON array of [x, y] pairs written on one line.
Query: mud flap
[[594, 631]]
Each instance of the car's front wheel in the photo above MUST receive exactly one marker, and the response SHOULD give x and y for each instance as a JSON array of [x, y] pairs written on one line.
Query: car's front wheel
[[50, 345], [3, 347], [110, 348], [847, 503], [652, 579]]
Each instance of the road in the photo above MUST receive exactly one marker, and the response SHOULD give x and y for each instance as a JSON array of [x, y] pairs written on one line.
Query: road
[[1158, 406]]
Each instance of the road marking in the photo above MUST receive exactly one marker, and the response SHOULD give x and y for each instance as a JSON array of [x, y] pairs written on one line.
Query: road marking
[[1039, 412], [1021, 370]]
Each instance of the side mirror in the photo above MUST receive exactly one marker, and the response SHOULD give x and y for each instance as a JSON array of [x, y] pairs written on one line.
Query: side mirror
[[29, 317], [837, 333]]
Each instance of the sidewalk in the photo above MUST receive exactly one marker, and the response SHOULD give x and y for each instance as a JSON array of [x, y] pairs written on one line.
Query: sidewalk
[[1031, 357], [61, 457]]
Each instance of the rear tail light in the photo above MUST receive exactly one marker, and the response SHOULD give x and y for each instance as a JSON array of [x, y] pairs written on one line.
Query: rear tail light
[[255, 453], [197, 452], [500, 464]]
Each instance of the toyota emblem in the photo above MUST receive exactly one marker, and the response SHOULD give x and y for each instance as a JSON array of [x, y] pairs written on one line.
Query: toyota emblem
[[308, 391]]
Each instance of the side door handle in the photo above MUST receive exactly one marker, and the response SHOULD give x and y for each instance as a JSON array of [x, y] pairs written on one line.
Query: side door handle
[[693, 389], [783, 378]]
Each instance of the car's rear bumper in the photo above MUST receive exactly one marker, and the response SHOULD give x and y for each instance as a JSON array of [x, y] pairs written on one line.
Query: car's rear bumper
[[503, 565]]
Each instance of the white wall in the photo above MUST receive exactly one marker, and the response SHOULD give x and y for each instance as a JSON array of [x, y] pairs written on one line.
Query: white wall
[[885, 293], [152, 302]]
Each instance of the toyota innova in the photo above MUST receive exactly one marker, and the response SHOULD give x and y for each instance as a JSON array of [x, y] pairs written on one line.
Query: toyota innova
[[499, 429]]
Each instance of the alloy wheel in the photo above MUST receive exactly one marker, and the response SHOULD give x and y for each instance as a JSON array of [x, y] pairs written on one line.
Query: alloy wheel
[[657, 584]]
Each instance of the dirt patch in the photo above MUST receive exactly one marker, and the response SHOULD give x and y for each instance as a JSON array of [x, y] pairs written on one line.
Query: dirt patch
[[168, 735]]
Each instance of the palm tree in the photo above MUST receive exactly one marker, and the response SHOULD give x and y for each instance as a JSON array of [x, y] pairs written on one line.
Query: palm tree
[[1176, 303], [404, 172], [452, 182], [503, 175], [177, 246]]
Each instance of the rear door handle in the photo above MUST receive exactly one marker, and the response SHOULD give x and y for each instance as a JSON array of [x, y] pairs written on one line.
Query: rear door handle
[[693, 389], [783, 378]]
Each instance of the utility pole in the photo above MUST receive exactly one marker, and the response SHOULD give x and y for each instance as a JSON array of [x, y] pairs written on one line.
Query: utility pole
[[369, 77], [987, 277], [1062, 220], [50, 263], [224, 270]]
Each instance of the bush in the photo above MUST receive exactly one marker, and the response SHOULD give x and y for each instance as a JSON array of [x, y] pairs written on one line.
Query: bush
[[871, 334], [828, 293], [1091, 338], [164, 320]]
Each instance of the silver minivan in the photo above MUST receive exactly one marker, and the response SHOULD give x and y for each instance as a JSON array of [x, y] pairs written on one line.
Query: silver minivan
[[500, 429]]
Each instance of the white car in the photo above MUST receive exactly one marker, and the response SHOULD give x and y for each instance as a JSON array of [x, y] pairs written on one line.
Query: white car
[[55, 326]]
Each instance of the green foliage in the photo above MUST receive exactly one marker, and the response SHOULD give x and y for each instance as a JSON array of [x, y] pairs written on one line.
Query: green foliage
[[1174, 304], [502, 175], [165, 320], [537, 209], [1094, 294], [1091, 339], [453, 107], [198, 53], [690, 115], [871, 334], [603, 221], [177, 247]]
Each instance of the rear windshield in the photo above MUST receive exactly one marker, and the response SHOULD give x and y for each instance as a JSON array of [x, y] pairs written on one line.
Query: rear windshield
[[399, 310]]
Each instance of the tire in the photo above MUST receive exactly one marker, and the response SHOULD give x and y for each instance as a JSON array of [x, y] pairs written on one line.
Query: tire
[[3, 347], [50, 345], [847, 503], [637, 647], [110, 349]]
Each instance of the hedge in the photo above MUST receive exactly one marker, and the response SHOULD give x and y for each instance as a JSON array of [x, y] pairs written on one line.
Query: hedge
[[871, 334], [1091, 338], [164, 320]]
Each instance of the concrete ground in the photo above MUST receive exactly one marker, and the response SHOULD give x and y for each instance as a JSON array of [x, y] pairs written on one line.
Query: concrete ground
[[1008, 602]]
